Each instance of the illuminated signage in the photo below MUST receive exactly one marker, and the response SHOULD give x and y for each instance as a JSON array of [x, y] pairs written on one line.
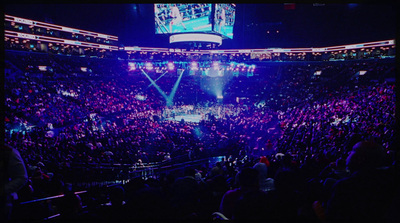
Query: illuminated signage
[[24, 21], [350, 47], [13, 34], [102, 36], [132, 48], [195, 37], [72, 42], [67, 29], [104, 47], [26, 36], [57, 27]]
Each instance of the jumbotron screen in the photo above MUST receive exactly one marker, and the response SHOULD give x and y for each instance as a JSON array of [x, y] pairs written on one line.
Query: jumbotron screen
[[182, 18], [224, 19]]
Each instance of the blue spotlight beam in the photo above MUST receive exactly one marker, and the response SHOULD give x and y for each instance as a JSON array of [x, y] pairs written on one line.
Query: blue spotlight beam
[[158, 78], [173, 91], [156, 86]]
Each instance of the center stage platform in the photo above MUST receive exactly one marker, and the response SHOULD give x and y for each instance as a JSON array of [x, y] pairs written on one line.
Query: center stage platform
[[186, 118]]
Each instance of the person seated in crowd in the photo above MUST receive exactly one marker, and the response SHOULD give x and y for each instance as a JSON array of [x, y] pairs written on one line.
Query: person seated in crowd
[[75, 121]]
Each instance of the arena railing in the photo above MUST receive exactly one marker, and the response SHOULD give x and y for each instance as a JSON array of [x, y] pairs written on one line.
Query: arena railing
[[43, 209], [82, 174], [49, 198], [38, 210]]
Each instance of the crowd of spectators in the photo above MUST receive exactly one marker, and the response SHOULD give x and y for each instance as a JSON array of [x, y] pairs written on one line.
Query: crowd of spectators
[[301, 123], [189, 54]]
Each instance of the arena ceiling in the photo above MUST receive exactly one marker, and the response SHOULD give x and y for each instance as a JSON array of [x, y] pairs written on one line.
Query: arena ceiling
[[257, 25]]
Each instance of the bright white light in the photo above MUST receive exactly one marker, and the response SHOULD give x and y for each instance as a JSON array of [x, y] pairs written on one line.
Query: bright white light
[[194, 66], [42, 68], [132, 66], [197, 37], [149, 66], [171, 66], [215, 65], [140, 97]]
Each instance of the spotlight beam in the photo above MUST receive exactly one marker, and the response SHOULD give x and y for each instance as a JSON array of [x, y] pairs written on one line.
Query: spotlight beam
[[158, 78], [173, 91], [156, 86]]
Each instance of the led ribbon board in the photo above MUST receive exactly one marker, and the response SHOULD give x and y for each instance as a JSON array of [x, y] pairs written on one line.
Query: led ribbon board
[[195, 37]]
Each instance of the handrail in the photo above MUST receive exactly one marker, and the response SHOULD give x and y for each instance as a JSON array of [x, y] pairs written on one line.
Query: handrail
[[84, 191], [50, 198], [185, 163]]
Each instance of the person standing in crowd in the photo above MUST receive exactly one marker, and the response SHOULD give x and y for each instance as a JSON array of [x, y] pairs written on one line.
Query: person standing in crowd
[[13, 177]]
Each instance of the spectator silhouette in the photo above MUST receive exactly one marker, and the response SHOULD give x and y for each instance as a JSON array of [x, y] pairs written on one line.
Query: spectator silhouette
[[185, 194], [284, 202], [70, 207], [248, 182], [13, 177], [266, 183], [367, 194]]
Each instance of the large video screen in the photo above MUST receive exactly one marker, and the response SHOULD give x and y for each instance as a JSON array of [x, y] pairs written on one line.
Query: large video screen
[[224, 19], [182, 18]]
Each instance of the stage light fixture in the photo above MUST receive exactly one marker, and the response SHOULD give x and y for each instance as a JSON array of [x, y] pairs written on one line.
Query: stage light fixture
[[149, 66], [171, 66], [132, 66], [215, 65], [194, 66]]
